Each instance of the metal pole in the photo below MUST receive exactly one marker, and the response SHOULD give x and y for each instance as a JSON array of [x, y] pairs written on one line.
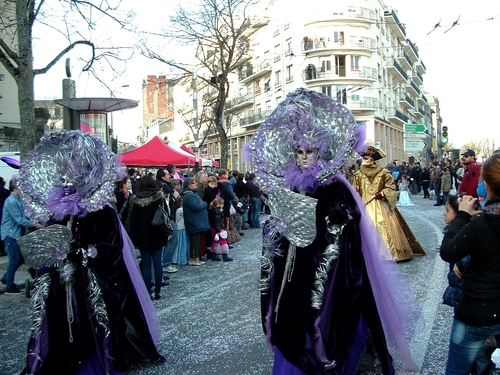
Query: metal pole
[[195, 121]]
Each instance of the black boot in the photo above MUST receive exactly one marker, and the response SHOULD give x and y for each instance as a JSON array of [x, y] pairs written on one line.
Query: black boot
[[215, 257], [226, 258]]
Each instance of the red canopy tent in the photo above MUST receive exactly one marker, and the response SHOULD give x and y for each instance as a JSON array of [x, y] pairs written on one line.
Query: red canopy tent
[[156, 153]]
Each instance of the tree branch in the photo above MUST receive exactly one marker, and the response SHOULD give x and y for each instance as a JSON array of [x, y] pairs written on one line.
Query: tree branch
[[63, 52]]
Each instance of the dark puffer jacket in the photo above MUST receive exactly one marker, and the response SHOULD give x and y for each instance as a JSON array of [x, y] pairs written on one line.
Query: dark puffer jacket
[[145, 235]]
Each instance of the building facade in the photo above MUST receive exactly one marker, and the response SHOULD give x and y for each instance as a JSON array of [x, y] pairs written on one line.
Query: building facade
[[359, 55]]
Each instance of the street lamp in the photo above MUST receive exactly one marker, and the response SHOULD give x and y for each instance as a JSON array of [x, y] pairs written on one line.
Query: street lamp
[[111, 95]]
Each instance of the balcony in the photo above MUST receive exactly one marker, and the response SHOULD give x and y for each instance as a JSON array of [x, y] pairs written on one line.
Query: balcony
[[254, 119], [410, 48], [369, 73], [404, 61], [397, 71], [312, 73], [321, 44], [393, 21], [417, 77], [253, 72], [419, 65], [240, 101], [352, 15], [209, 95], [406, 101], [366, 103], [413, 89], [397, 117]]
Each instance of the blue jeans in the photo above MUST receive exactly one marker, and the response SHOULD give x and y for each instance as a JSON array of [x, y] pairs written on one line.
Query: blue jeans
[[15, 260], [169, 248], [437, 191], [146, 258], [465, 344], [255, 204]]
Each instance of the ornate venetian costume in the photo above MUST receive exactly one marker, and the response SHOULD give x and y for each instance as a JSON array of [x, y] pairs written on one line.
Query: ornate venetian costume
[[377, 188], [328, 283], [92, 312]]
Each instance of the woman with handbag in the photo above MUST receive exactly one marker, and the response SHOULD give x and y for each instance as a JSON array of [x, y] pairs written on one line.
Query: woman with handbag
[[146, 236]]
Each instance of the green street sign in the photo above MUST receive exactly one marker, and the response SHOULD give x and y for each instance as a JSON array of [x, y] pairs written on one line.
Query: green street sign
[[415, 128]]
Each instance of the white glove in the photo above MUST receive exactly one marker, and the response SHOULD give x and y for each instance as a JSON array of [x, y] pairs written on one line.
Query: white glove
[[223, 234], [216, 237]]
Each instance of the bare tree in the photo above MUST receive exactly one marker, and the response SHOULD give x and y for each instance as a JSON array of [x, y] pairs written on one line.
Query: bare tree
[[483, 147], [17, 19], [216, 31]]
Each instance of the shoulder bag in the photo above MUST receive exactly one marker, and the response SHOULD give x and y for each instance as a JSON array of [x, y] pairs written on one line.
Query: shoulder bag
[[161, 220]]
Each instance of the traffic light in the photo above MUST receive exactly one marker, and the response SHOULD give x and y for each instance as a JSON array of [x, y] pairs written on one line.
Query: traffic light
[[444, 135]]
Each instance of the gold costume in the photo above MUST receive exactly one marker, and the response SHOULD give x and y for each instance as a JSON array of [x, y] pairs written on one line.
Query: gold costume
[[370, 180]]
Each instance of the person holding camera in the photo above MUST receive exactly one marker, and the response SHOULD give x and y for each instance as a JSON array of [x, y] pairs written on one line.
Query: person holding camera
[[476, 233]]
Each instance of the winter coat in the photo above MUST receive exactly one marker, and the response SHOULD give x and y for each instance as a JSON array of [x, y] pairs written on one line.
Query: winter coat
[[217, 220], [144, 235], [195, 213], [446, 182], [479, 237], [221, 191], [240, 188], [470, 179]]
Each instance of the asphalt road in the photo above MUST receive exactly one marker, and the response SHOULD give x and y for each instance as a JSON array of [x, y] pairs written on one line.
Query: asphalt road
[[210, 315]]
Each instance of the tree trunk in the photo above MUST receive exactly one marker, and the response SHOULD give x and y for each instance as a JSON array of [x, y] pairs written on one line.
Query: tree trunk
[[26, 96]]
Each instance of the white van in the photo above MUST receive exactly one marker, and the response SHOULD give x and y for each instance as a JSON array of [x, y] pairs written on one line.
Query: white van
[[7, 171]]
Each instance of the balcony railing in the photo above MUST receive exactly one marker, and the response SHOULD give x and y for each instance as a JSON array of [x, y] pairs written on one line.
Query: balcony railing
[[412, 46], [367, 72], [322, 43], [241, 99], [395, 24], [254, 119], [415, 87], [366, 102], [405, 98], [309, 74], [398, 69], [289, 79], [400, 116], [251, 70]]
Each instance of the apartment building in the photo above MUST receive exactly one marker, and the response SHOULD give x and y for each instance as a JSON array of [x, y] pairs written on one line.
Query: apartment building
[[359, 54]]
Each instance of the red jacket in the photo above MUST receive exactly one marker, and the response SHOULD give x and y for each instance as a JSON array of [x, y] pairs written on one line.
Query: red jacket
[[470, 179]]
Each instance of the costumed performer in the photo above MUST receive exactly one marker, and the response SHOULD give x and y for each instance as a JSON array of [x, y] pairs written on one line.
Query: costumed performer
[[378, 190], [326, 290], [92, 312]]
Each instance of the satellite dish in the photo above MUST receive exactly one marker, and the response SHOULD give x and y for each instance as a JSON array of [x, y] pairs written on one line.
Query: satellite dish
[[68, 68]]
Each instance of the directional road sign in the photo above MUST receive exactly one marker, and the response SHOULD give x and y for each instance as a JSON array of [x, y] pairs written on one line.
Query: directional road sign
[[412, 145], [415, 128], [416, 135]]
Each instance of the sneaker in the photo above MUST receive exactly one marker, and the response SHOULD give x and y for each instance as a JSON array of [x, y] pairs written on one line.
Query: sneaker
[[170, 269], [197, 263], [12, 290], [3, 281]]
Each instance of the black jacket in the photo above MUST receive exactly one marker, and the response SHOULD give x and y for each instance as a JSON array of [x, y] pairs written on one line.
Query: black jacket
[[144, 235], [479, 237]]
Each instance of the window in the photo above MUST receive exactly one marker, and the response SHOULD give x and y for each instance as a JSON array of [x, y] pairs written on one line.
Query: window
[[268, 106], [277, 78], [354, 62], [338, 36], [355, 98], [289, 73], [327, 90], [278, 100], [267, 84], [342, 94], [326, 66]]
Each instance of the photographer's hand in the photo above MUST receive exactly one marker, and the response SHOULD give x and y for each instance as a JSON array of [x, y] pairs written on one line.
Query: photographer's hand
[[467, 203]]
